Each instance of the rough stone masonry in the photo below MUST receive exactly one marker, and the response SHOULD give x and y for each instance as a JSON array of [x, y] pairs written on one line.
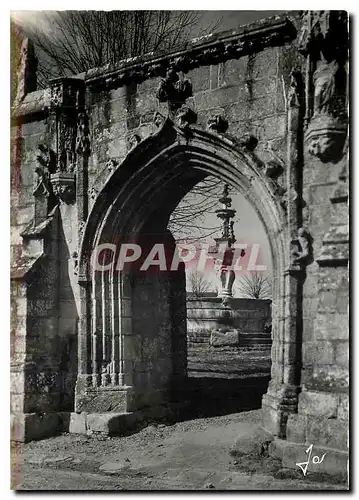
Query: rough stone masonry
[[108, 154]]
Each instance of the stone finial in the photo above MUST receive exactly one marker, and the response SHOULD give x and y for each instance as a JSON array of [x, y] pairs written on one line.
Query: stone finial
[[218, 124], [26, 78]]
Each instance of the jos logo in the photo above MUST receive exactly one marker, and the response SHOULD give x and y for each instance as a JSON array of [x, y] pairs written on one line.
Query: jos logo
[[315, 460]]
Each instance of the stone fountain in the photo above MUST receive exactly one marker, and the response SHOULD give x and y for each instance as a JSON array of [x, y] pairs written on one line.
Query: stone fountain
[[224, 320]]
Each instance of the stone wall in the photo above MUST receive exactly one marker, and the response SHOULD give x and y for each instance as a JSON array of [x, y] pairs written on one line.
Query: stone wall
[[260, 118], [247, 316]]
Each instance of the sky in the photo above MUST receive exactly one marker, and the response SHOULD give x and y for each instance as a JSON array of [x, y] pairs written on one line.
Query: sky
[[229, 19]]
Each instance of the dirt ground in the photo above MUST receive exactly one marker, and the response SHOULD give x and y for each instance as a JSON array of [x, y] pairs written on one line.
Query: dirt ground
[[187, 455]]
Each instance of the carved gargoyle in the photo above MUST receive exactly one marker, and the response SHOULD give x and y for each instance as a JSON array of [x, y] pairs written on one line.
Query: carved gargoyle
[[304, 251]]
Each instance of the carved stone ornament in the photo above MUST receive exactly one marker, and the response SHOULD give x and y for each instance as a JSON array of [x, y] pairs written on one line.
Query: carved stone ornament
[[132, 141], [304, 251], [75, 263], [47, 164], [185, 117], [158, 119], [324, 42], [274, 166], [65, 101], [93, 193], [81, 228], [325, 137], [82, 138], [63, 186], [112, 164], [248, 142], [218, 124], [174, 90]]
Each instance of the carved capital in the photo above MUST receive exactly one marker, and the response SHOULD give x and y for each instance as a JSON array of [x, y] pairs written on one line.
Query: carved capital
[[218, 124], [63, 185]]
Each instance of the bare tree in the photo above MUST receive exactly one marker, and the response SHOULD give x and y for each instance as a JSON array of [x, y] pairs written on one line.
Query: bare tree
[[255, 286], [198, 284], [80, 40], [190, 217]]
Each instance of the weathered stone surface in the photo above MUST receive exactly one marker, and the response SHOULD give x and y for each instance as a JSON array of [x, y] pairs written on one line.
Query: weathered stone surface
[[296, 428], [31, 426], [78, 423], [332, 433], [224, 337], [107, 423], [318, 404], [334, 463]]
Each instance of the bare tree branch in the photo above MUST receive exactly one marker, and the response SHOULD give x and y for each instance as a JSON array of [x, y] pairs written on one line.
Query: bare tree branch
[[80, 40], [255, 286], [198, 284]]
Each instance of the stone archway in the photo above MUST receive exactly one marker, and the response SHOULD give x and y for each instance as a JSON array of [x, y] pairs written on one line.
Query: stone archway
[[139, 196]]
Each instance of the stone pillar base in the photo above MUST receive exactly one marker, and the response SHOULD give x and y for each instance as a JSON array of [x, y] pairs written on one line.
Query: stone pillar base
[[103, 399], [277, 405]]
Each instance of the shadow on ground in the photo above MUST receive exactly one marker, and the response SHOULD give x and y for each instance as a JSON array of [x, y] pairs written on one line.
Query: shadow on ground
[[210, 396]]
